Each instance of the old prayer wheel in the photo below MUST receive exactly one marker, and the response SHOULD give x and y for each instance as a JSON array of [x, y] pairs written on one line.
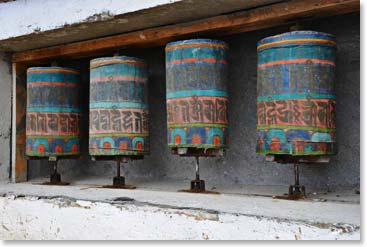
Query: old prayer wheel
[[197, 98], [53, 112], [118, 107], [295, 94]]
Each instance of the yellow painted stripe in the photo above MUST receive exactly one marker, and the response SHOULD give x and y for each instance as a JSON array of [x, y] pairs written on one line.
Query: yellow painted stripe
[[196, 45], [322, 41], [116, 61], [52, 70]]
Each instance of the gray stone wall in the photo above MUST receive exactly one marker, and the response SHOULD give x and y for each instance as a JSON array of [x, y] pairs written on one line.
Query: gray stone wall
[[5, 116]]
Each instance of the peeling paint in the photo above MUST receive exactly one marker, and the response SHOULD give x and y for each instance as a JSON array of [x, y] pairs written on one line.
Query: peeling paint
[[103, 16]]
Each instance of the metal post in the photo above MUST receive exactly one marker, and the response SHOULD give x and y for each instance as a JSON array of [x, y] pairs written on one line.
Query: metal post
[[55, 166], [118, 174], [197, 168], [296, 177]]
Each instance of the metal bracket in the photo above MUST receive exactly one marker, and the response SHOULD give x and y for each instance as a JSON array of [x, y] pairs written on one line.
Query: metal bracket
[[118, 180], [55, 177]]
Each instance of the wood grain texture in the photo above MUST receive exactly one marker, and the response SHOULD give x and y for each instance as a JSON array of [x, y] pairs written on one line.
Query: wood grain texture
[[19, 162], [244, 21]]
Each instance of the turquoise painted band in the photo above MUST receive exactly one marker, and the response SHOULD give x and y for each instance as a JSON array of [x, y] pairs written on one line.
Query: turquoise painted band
[[295, 96], [52, 109], [93, 105], [188, 93]]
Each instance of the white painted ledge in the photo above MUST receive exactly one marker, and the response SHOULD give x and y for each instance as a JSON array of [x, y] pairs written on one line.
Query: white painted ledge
[[82, 212]]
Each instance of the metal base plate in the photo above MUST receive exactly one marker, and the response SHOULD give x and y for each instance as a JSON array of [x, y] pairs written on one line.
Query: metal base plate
[[198, 152], [55, 179], [119, 183], [127, 187], [198, 186], [55, 183], [294, 193]]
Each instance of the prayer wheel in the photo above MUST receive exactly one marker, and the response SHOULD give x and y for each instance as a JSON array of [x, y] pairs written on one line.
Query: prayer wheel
[[53, 112], [118, 107], [295, 94], [197, 98]]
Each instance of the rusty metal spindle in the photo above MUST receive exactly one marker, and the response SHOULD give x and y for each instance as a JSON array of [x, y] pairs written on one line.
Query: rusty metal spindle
[[118, 166], [296, 177], [55, 166], [197, 168]]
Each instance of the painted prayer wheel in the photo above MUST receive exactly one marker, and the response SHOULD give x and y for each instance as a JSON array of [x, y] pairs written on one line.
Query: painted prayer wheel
[[295, 94], [118, 104], [53, 112], [197, 98]]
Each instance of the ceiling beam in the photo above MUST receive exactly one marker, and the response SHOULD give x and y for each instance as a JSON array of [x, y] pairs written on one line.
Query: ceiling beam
[[244, 21]]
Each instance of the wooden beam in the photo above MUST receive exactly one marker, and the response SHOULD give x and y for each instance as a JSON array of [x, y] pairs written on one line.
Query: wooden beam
[[19, 162], [258, 18]]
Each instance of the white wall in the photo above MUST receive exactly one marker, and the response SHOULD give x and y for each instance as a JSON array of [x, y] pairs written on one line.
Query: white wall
[[24, 16]]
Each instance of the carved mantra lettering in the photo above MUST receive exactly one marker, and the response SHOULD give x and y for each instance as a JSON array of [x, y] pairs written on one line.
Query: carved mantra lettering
[[197, 110], [295, 78], [306, 112], [118, 121], [39, 123]]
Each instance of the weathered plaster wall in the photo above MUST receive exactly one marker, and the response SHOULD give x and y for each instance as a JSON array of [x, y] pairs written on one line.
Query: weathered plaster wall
[[41, 23], [71, 219], [5, 116], [25, 17], [242, 165]]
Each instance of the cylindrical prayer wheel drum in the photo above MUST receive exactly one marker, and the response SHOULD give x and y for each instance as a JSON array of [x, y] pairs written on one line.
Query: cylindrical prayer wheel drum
[[53, 112], [118, 112], [197, 98], [295, 94]]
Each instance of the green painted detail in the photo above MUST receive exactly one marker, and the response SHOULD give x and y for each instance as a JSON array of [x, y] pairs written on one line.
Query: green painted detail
[[293, 96], [52, 137], [196, 146], [35, 154], [118, 134], [296, 128], [96, 152], [296, 154], [198, 125]]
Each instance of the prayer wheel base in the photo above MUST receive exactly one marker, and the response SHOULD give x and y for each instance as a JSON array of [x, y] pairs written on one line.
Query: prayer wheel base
[[295, 192], [197, 185], [119, 181]]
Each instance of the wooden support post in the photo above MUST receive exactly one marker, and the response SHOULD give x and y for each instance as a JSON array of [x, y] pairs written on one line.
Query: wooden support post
[[19, 102]]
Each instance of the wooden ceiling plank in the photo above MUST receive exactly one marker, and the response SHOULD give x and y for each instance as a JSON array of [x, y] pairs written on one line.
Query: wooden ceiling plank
[[250, 20]]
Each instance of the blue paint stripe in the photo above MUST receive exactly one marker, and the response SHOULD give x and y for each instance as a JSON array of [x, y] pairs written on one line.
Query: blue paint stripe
[[295, 96], [188, 93], [52, 109], [119, 70], [53, 77], [197, 63], [95, 105], [196, 52], [307, 52]]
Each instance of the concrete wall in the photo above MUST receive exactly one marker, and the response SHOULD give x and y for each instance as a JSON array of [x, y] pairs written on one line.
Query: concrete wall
[[242, 165], [43, 15], [75, 219], [5, 116]]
